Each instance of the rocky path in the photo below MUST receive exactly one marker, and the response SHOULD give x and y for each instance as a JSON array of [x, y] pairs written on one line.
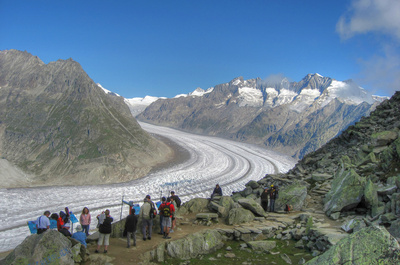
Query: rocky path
[[118, 253]]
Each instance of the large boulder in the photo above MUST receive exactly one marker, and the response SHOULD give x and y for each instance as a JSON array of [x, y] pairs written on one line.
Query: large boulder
[[239, 215], [371, 245], [371, 197], [195, 245], [195, 205], [262, 245], [51, 247], [251, 205], [346, 193], [294, 194]]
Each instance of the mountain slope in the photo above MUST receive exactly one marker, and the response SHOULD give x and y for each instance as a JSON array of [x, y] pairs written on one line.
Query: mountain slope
[[57, 125], [289, 117]]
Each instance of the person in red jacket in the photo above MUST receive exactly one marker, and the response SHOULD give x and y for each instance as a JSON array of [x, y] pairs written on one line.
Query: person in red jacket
[[167, 209]]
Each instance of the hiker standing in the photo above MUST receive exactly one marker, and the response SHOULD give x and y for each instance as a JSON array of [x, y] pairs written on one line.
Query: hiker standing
[[273, 195], [217, 191], [163, 201], [130, 227], [147, 214], [85, 220], [176, 199], [173, 218], [43, 223], [105, 229], [167, 209], [264, 199]]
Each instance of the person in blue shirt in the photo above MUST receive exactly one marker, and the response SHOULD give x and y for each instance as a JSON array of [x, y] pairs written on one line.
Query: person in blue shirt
[[80, 235], [43, 222]]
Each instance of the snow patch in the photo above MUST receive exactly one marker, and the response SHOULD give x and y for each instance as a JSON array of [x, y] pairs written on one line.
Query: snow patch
[[250, 96], [107, 91]]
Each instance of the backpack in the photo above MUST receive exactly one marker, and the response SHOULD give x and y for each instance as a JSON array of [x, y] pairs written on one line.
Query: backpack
[[167, 210], [153, 212]]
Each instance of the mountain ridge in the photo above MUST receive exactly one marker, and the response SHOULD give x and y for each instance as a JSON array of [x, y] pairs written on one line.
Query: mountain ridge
[[281, 115], [58, 126]]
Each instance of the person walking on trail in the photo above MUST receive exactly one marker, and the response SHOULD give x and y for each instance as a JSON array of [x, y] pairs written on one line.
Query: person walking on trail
[[167, 209], [176, 199], [43, 223], [163, 201], [264, 199], [273, 195], [105, 230], [147, 214], [217, 191], [130, 228], [173, 218]]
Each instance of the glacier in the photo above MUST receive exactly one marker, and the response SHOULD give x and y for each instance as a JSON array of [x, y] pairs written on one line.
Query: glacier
[[212, 160]]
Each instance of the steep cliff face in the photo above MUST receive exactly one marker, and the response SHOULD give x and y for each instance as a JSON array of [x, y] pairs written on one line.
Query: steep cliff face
[[289, 117], [58, 126]]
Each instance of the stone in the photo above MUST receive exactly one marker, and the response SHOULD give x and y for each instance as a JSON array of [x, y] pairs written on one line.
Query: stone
[[286, 258], [371, 245], [395, 203], [264, 245], [239, 215], [370, 195], [195, 205], [253, 184], [51, 247], [207, 216], [194, 245], [320, 177], [251, 205], [353, 225], [394, 229], [294, 194], [346, 193], [384, 138]]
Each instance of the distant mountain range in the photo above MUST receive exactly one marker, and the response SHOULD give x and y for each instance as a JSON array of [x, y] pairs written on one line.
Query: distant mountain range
[[294, 118], [58, 127]]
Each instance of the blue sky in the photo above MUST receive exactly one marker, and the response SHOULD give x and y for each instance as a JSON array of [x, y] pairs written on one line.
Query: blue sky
[[164, 48]]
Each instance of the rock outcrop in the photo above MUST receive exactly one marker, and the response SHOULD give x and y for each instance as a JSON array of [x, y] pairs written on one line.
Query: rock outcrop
[[51, 247]]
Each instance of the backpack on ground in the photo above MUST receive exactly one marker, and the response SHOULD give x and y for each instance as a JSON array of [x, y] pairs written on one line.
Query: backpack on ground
[[167, 210]]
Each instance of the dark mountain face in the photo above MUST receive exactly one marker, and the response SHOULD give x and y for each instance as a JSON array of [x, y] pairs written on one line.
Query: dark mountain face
[[289, 117], [59, 126]]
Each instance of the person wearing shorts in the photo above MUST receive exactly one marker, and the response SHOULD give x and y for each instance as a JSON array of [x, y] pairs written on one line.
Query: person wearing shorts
[[104, 231]]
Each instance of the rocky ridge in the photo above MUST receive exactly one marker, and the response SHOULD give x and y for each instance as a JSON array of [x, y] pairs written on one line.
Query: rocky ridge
[[59, 127], [288, 117]]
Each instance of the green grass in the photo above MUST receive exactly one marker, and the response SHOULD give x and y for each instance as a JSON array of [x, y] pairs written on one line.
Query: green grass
[[248, 256]]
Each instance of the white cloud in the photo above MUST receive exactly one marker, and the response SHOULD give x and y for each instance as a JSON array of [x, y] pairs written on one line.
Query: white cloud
[[382, 16], [382, 72]]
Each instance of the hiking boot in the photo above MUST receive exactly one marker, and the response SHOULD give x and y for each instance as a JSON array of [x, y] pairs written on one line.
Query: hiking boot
[[144, 239], [149, 238], [96, 251], [167, 237], [105, 251], [134, 244]]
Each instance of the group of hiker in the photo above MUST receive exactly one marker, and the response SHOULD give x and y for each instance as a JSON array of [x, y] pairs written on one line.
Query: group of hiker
[[269, 194], [64, 224], [148, 211]]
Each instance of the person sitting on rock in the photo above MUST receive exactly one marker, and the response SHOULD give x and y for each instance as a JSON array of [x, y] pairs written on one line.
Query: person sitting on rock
[[80, 235], [177, 200], [43, 223], [217, 192]]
